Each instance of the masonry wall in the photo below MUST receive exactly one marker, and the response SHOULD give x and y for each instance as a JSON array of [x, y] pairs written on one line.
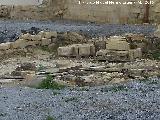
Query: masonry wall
[[111, 13], [102, 13], [71, 9]]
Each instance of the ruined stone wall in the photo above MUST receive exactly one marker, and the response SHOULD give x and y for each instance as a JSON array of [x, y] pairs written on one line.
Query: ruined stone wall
[[71, 9]]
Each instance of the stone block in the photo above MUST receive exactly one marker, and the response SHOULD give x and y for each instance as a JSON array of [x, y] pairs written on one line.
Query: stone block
[[5, 46], [75, 49], [42, 34], [84, 50], [81, 50], [65, 51], [45, 41], [117, 45], [48, 35], [20, 43]]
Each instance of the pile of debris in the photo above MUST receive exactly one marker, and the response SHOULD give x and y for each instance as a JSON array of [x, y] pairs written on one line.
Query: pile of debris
[[28, 40], [99, 74], [121, 56]]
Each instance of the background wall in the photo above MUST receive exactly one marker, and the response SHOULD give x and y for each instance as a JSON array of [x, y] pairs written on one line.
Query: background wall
[[71, 9], [111, 13]]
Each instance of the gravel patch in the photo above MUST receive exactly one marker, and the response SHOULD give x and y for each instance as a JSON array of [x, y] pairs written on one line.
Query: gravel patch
[[138, 101], [9, 30]]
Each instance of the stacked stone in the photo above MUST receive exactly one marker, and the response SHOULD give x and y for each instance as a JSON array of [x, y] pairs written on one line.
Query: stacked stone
[[25, 40], [80, 50], [118, 48]]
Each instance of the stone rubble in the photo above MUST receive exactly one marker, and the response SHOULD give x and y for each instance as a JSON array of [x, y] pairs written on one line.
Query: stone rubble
[[79, 62]]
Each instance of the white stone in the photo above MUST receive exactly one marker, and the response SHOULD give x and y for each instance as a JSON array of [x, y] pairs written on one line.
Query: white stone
[[65, 51], [20, 43], [48, 35]]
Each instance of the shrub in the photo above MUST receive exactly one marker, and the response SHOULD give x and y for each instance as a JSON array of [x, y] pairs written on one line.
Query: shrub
[[48, 83]]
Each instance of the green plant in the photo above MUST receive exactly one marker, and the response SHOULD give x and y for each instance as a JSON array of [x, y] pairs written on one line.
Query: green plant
[[50, 118], [48, 83]]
